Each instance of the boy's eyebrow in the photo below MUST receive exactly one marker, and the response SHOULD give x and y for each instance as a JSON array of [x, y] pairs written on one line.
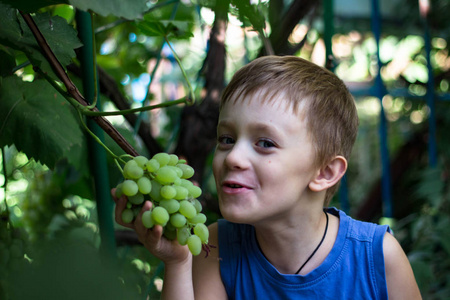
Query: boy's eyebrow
[[258, 126]]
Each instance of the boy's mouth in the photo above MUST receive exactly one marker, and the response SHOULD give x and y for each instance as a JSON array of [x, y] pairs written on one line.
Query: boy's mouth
[[233, 186]]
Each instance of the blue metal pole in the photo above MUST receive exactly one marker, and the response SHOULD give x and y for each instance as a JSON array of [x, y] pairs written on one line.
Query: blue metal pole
[[380, 92]]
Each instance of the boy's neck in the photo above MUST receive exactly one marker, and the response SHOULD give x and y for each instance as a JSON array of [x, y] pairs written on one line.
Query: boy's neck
[[288, 247]]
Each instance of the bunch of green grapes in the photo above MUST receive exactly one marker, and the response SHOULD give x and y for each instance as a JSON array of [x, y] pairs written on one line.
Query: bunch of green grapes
[[163, 179]]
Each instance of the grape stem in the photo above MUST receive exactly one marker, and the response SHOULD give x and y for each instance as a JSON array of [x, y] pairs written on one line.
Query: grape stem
[[190, 100], [207, 249], [96, 138]]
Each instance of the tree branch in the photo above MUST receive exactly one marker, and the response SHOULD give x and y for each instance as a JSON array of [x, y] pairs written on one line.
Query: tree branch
[[72, 89], [283, 27]]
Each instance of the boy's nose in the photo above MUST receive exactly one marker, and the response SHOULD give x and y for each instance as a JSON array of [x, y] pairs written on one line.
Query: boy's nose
[[237, 157]]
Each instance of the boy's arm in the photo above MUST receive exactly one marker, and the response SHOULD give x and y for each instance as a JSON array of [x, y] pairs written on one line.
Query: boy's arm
[[206, 272], [401, 283], [177, 282]]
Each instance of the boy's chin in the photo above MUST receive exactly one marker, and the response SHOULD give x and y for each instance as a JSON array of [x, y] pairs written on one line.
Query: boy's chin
[[239, 218]]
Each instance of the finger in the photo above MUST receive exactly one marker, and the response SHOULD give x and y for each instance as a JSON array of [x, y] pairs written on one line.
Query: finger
[[121, 204], [141, 230], [152, 238], [113, 194]]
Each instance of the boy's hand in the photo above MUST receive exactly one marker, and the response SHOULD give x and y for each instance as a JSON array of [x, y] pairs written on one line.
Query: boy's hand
[[170, 252]]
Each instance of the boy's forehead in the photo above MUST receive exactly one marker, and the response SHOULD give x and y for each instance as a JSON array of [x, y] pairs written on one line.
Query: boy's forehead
[[270, 100]]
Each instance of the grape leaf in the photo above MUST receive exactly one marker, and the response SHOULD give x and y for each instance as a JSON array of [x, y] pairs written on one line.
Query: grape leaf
[[29, 6], [169, 28], [130, 9], [40, 122], [8, 62], [61, 37]]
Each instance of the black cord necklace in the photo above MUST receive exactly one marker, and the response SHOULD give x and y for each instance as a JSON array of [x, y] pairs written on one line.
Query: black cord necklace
[[315, 250]]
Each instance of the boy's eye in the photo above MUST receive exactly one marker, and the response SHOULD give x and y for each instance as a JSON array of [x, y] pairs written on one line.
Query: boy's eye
[[225, 140], [265, 144]]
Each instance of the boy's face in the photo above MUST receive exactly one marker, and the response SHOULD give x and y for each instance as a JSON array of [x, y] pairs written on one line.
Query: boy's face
[[263, 162]]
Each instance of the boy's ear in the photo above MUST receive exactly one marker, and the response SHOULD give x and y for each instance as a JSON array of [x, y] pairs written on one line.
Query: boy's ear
[[329, 175]]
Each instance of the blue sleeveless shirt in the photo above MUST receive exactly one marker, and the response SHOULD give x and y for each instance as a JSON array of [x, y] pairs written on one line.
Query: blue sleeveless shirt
[[354, 269]]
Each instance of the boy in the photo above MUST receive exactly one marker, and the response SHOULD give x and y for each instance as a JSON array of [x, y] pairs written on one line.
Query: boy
[[285, 132]]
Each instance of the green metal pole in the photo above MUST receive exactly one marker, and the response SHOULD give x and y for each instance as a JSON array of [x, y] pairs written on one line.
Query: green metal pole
[[97, 154]]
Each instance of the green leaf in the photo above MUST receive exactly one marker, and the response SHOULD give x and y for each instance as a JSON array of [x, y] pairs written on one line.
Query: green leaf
[[169, 28], [129, 9], [40, 122], [29, 6], [61, 37], [8, 62]]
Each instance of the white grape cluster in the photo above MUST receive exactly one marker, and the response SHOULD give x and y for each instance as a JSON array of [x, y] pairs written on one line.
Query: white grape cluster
[[163, 179]]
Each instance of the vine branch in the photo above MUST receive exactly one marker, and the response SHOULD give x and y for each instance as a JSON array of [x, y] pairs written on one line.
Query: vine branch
[[72, 89]]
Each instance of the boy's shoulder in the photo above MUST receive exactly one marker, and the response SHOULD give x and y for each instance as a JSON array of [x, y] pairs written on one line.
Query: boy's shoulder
[[362, 231]]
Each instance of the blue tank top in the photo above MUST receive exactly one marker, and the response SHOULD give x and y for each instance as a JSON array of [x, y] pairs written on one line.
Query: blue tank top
[[354, 269]]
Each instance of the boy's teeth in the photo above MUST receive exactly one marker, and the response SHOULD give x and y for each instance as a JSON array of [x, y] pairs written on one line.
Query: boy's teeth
[[235, 186]]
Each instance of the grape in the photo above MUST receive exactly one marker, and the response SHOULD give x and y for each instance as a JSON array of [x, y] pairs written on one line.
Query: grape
[[194, 244], [168, 192], [177, 220], [131, 170], [182, 192], [186, 183], [182, 235], [198, 218], [127, 215], [162, 158], [188, 171], [202, 232], [144, 185], [136, 210], [197, 205], [165, 175], [141, 161], [119, 191], [177, 171], [194, 191], [171, 205], [155, 193], [173, 160], [170, 234], [152, 165], [160, 215], [169, 226], [129, 188], [136, 199], [187, 209], [147, 220], [177, 181]]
